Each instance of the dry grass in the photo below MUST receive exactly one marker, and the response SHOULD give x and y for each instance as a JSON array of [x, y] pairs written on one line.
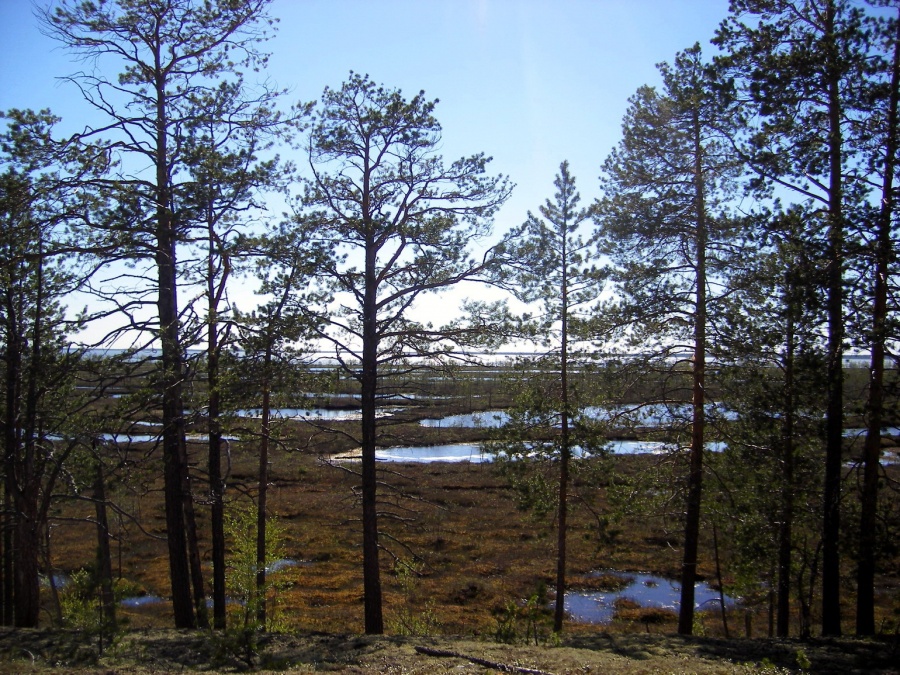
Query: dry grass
[[477, 559], [475, 553]]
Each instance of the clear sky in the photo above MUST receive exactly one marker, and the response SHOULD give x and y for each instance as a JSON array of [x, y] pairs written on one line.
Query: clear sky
[[528, 82]]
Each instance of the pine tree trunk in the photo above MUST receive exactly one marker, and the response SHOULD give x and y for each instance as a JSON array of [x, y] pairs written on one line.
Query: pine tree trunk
[[27, 602], [374, 622], [698, 396], [865, 574], [104, 559], [216, 485], [834, 423], [566, 452], [261, 504], [193, 546], [175, 471], [11, 426], [785, 527]]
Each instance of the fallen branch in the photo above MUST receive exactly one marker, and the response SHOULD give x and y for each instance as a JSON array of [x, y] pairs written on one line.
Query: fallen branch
[[503, 667]]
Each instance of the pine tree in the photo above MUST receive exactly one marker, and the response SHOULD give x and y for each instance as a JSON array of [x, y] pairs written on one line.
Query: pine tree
[[664, 224], [172, 55], [798, 67], [550, 262], [382, 194]]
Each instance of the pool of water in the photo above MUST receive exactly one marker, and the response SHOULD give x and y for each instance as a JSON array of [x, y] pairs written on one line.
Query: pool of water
[[141, 600], [652, 415], [122, 439], [317, 414], [459, 452], [490, 419], [647, 590], [471, 452], [284, 563]]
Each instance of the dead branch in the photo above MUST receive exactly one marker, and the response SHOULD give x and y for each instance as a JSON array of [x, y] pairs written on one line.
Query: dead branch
[[502, 667]]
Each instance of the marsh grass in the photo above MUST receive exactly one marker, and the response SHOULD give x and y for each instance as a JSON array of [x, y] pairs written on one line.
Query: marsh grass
[[477, 551]]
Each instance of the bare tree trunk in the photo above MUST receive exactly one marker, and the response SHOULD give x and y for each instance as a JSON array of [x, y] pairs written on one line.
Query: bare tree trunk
[[174, 453], [27, 596], [565, 453], [261, 504], [865, 573], [695, 472], [104, 559], [193, 545], [216, 485], [11, 427], [374, 622], [27, 532], [834, 423], [785, 526], [217, 490]]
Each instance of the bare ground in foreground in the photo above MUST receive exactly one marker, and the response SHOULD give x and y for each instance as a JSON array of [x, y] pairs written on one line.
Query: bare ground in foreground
[[165, 650]]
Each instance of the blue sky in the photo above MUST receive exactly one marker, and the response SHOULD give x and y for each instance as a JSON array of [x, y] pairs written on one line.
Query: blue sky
[[528, 82]]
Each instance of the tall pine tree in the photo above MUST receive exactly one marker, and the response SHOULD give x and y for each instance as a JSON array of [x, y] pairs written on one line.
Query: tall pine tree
[[664, 224]]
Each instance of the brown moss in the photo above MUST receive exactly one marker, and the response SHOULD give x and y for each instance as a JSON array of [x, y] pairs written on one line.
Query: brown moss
[[477, 550]]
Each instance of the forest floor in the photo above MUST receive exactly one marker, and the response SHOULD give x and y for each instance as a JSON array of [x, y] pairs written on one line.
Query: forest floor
[[142, 652]]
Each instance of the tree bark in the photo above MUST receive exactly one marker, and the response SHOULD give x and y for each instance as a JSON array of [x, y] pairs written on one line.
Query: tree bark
[[565, 453], [865, 573], [216, 484], [261, 504], [565, 450], [11, 436], [785, 526], [834, 422], [172, 364], [695, 472], [374, 622], [104, 558]]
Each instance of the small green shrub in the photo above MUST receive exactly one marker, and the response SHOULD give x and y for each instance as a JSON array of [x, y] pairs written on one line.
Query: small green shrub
[[525, 622], [407, 621]]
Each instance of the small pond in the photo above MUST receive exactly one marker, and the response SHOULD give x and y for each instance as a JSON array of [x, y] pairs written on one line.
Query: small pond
[[488, 419], [141, 600], [652, 415], [123, 439], [459, 452], [861, 433], [317, 414], [471, 452], [285, 563], [647, 590]]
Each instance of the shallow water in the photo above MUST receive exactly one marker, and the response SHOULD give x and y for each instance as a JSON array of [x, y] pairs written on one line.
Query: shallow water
[[489, 419], [648, 590], [471, 452], [459, 452], [141, 600], [148, 438], [316, 414], [652, 415]]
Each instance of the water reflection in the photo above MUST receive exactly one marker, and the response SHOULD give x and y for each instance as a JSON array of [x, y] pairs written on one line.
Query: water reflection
[[141, 600], [647, 590], [459, 452], [651, 415], [123, 439], [489, 419], [472, 452], [316, 414]]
